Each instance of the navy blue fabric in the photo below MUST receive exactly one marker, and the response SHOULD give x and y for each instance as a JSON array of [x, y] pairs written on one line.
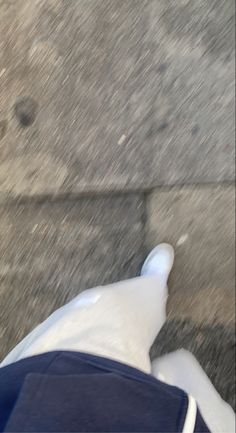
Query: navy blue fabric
[[76, 392]]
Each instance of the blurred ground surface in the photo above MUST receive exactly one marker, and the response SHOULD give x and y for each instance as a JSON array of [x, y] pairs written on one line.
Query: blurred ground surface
[[199, 222], [125, 96], [104, 95], [50, 251]]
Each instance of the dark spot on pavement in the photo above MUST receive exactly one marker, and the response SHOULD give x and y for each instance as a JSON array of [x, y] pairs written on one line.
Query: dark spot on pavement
[[162, 126], [195, 129], [155, 129], [162, 68], [25, 110], [32, 173], [3, 128]]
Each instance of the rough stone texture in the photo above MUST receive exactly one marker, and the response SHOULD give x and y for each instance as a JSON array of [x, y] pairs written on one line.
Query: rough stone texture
[[213, 345], [199, 222], [51, 251], [115, 94]]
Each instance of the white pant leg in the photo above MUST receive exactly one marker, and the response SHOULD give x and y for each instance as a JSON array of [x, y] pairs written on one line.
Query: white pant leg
[[181, 369], [118, 321]]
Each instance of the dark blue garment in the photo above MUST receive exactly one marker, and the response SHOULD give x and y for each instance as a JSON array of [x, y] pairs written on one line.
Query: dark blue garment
[[77, 392]]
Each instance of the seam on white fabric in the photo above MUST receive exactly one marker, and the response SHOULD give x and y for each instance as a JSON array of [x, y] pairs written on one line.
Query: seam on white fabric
[[190, 419]]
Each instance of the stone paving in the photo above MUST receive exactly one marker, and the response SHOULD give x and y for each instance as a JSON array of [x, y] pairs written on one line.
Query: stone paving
[[113, 95], [116, 133]]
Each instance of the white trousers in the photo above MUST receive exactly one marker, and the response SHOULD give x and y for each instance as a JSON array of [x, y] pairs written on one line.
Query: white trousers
[[120, 322]]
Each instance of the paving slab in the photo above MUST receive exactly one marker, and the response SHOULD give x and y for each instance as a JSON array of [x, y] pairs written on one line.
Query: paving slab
[[200, 223], [50, 251], [115, 95]]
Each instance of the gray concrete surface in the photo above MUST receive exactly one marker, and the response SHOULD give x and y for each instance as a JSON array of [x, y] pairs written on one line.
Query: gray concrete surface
[[51, 251], [107, 95], [199, 222]]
